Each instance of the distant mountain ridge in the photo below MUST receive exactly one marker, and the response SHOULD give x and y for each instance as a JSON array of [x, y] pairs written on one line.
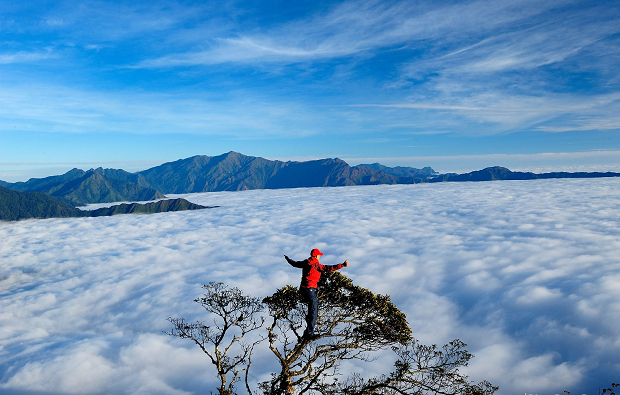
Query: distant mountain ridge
[[234, 171], [227, 172], [496, 173], [400, 171]]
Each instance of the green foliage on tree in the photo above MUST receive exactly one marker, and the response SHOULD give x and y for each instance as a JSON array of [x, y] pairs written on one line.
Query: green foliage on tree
[[352, 322]]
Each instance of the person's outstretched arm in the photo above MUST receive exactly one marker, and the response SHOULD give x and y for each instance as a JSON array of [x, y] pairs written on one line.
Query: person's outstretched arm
[[297, 264], [332, 268]]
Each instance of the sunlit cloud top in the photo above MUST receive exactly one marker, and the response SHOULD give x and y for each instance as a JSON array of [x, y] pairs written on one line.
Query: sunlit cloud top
[[525, 272]]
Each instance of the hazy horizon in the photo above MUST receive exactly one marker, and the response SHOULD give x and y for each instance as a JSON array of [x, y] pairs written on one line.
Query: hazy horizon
[[459, 165]]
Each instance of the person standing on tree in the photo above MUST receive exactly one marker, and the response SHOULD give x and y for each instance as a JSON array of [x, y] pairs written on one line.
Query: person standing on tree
[[310, 276]]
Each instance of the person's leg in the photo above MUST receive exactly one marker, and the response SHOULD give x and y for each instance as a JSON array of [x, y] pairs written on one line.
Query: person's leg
[[308, 295], [313, 311]]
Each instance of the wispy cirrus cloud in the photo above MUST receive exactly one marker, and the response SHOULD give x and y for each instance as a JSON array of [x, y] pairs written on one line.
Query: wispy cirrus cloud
[[352, 28], [27, 57], [518, 111], [502, 66]]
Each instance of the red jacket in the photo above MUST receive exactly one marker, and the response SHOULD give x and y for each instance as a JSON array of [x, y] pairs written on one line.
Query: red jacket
[[312, 270]]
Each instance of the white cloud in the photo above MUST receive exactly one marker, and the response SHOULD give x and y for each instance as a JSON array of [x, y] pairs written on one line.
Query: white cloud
[[538, 295], [26, 57], [353, 28], [81, 370], [536, 374], [83, 302]]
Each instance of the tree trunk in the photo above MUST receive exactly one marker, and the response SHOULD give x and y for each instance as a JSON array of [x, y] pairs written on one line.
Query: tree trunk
[[286, 384]]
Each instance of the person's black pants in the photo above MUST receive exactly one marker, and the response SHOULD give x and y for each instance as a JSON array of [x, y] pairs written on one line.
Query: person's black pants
[[308, 296]]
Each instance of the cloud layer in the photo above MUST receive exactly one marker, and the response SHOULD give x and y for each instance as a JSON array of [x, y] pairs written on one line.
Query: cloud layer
[[526, 273]]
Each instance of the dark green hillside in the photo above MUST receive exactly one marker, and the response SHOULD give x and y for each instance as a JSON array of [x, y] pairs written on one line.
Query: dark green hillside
[[16, 205], [161, 206]]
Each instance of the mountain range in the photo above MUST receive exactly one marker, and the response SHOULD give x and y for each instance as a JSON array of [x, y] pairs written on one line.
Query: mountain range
[[228, 172], [233, 172]]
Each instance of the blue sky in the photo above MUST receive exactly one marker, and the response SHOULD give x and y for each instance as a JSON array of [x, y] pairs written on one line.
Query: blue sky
[[453, 85]]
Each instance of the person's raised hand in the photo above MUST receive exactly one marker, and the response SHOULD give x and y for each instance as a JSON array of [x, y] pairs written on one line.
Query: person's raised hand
[[346, 263]]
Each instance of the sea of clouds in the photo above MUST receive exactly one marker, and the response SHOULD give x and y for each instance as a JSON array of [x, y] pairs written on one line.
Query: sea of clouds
[[527, 273]]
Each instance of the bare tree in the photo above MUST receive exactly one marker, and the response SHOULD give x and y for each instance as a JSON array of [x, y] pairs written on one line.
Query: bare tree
[[234, 316], [420, 369]]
